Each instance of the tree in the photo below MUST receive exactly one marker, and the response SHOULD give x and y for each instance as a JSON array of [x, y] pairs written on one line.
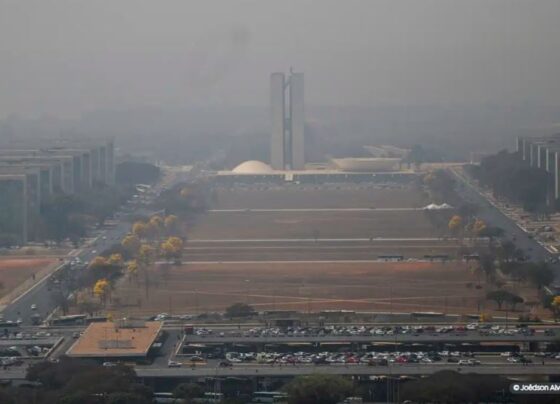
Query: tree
[[125, 397], [487, 264], [479, 226], [188, 391], [102, 267], [156, 221], [133, 172], [139, 229], [131, 244], [455, 224], [540, 275], [145, 254], [116, 259], [498, 296], [88, 307], [60, 299], [172, 247], [448, 386], [98, 262], [440, 184], [318, 389], [506, 251], [101, 289], [239, 310], [555, 306], [171, 222], [503, 296], [508, 176], [467, 210], [514, 300], [132, 267], [75, 381], [491, 232]]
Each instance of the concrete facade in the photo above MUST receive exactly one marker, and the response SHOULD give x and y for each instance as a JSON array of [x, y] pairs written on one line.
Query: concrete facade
[[543, 153], [60, 167], [13, 200], [277, 102], [297, 121]]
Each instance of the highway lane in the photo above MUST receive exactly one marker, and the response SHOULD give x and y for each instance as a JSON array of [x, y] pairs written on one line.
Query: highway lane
[[356, 370], [491, 214], [18, 373], [428, 338]]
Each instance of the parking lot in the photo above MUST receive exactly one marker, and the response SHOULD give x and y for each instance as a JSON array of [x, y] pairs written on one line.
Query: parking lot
[[282, 350]]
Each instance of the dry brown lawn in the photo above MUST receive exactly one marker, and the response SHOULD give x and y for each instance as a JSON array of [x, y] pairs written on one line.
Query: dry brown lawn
[[376, 286], [310, 197], [340, 224], [13, 271]]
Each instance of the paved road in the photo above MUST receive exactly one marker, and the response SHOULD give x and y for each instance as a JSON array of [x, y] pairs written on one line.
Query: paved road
[[490, 214], [427, 338], [18, 373], [413, 369]]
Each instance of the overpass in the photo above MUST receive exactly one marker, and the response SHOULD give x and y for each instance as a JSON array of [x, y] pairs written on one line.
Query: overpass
[[348, 370], [371, 339]]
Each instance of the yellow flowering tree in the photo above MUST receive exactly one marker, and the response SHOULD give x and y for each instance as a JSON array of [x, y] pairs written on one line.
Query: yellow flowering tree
[[101, 289]]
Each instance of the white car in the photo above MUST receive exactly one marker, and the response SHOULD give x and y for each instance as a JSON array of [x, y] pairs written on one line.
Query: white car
[[174, 364], [33, 307], [109, 364]]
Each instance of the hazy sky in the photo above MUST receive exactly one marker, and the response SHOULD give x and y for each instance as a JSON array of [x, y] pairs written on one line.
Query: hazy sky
[[66, 57]]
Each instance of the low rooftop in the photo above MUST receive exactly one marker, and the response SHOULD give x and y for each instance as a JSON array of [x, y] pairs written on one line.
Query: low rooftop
[[116, 339]]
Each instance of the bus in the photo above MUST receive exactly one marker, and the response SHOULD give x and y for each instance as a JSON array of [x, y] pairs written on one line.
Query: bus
[[269, 397], [75, 319]]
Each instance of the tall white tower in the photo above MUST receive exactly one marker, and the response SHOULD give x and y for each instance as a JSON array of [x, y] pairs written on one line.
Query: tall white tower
[[287, 145], [277, 101]]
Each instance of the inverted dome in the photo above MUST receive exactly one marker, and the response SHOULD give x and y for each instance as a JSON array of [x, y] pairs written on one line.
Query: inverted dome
[[252, 167]]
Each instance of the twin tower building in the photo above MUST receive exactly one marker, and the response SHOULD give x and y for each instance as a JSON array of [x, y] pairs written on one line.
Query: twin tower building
[[288, 120]]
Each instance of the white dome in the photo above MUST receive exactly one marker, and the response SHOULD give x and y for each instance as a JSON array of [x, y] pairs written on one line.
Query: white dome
[[252, 167]]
